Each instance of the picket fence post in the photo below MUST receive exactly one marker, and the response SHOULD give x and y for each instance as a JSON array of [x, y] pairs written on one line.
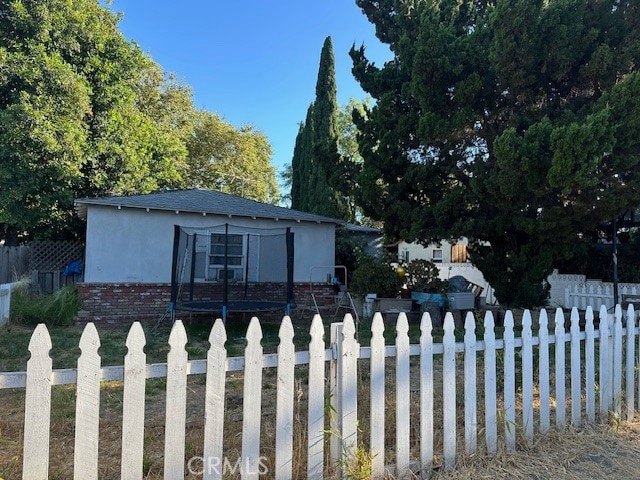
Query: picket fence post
[[335, 392], [133, 404], [37, 407], [403, 393], [426, 395], [449, 392], [377, 395], [85, 454], [543, 371], [490, 407], [176, 403], [284, 401], [509, 383], [251, 411], [630, 364], [560, 369], [590, 366], [603, 374], [316, 397], [349, 388], [527, 377], [576, 409], [214, 401], [617, 361], [470, 386]]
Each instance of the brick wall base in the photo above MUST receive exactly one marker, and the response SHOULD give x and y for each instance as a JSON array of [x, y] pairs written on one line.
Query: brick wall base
[[124, 303]]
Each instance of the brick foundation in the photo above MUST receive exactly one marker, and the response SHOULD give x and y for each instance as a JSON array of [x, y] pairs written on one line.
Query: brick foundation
[[125, 303]]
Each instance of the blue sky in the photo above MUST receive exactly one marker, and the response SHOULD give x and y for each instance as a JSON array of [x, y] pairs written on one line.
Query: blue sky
[[253, 62]]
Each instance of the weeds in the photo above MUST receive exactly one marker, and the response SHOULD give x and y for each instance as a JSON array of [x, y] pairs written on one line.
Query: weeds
[[57, 309]]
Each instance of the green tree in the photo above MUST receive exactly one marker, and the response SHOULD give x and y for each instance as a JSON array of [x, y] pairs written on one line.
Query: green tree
[[316, 159], [514, 123], [230, 160]]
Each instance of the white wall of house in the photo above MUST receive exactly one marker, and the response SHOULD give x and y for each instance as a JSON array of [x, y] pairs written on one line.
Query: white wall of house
[[135, 246], [438, 253]]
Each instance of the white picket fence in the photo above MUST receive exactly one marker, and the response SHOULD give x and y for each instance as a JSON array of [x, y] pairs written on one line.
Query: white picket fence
[[604, 375], [5, 300], [594, 294]]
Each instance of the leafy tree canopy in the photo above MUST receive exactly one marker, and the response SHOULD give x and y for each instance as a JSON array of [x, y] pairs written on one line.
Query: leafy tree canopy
[[83, 112], [514, 123]]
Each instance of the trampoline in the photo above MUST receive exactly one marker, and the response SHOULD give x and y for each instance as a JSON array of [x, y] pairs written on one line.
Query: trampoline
[[231, 269]]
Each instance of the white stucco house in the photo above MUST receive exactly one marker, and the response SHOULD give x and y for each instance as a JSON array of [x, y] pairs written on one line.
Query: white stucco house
[[129, 245]]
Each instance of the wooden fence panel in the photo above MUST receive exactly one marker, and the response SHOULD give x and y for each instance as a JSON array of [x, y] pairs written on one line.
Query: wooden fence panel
[[449, 392], [37, 407], [527, 377], [590, 367], [176, 404], [87, 407], [251, 411], [509, 383], [378, 408], [403, 397], [470, 382], [543, 371], [576, 394], [490, 407], [426, 395], [133, 405], [560, 346], [315, 454], [284, 402], [214, 402]]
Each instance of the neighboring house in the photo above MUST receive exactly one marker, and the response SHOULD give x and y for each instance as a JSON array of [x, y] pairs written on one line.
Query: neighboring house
[[129, 246], [372, 237], [451, 260]]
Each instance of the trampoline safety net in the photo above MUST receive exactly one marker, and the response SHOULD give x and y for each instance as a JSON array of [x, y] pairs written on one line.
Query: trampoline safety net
[[226, 268]]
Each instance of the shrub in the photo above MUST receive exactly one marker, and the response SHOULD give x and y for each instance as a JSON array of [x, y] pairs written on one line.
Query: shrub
[[376, 275], [424, 276], [58, 309]]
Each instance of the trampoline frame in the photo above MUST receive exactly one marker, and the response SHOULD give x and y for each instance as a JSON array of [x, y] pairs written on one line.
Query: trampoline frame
[[227, 306]]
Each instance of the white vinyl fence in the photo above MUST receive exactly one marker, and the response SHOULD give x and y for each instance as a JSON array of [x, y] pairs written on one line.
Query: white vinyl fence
[[594, 294], [585, 385]]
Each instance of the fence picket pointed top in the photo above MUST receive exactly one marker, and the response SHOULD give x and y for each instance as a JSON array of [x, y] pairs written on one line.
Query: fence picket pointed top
[[470, 323], [40, 342], [630, 311], [575, 320], [543, 320], [377, 324], [349, 329], [489, 322], [135, 338], [317, 328], [508, 321], [254, 332], [526, 321], [618, 311], [402, 325], [178, 335], [89, 340], [286, 333], [426, 325], [218, 334], [603, 314], [448, 325], [559, 320]]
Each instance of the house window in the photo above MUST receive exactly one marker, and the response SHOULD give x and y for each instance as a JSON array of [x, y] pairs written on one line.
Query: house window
[[405, 256], [235, 257], [459, 253], [436, 256]]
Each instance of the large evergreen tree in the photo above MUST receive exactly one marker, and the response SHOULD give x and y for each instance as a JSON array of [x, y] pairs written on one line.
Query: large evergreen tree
[[514, 123], [316, 157]]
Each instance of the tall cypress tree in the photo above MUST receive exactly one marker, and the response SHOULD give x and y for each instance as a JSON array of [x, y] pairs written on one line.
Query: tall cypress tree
[[316, 151]]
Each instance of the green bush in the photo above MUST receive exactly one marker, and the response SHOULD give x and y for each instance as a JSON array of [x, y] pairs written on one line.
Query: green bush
[[376, 275], [58, 309], [423, 276]]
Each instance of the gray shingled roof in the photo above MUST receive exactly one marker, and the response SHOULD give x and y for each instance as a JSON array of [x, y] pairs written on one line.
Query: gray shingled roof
[[203, 201]]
